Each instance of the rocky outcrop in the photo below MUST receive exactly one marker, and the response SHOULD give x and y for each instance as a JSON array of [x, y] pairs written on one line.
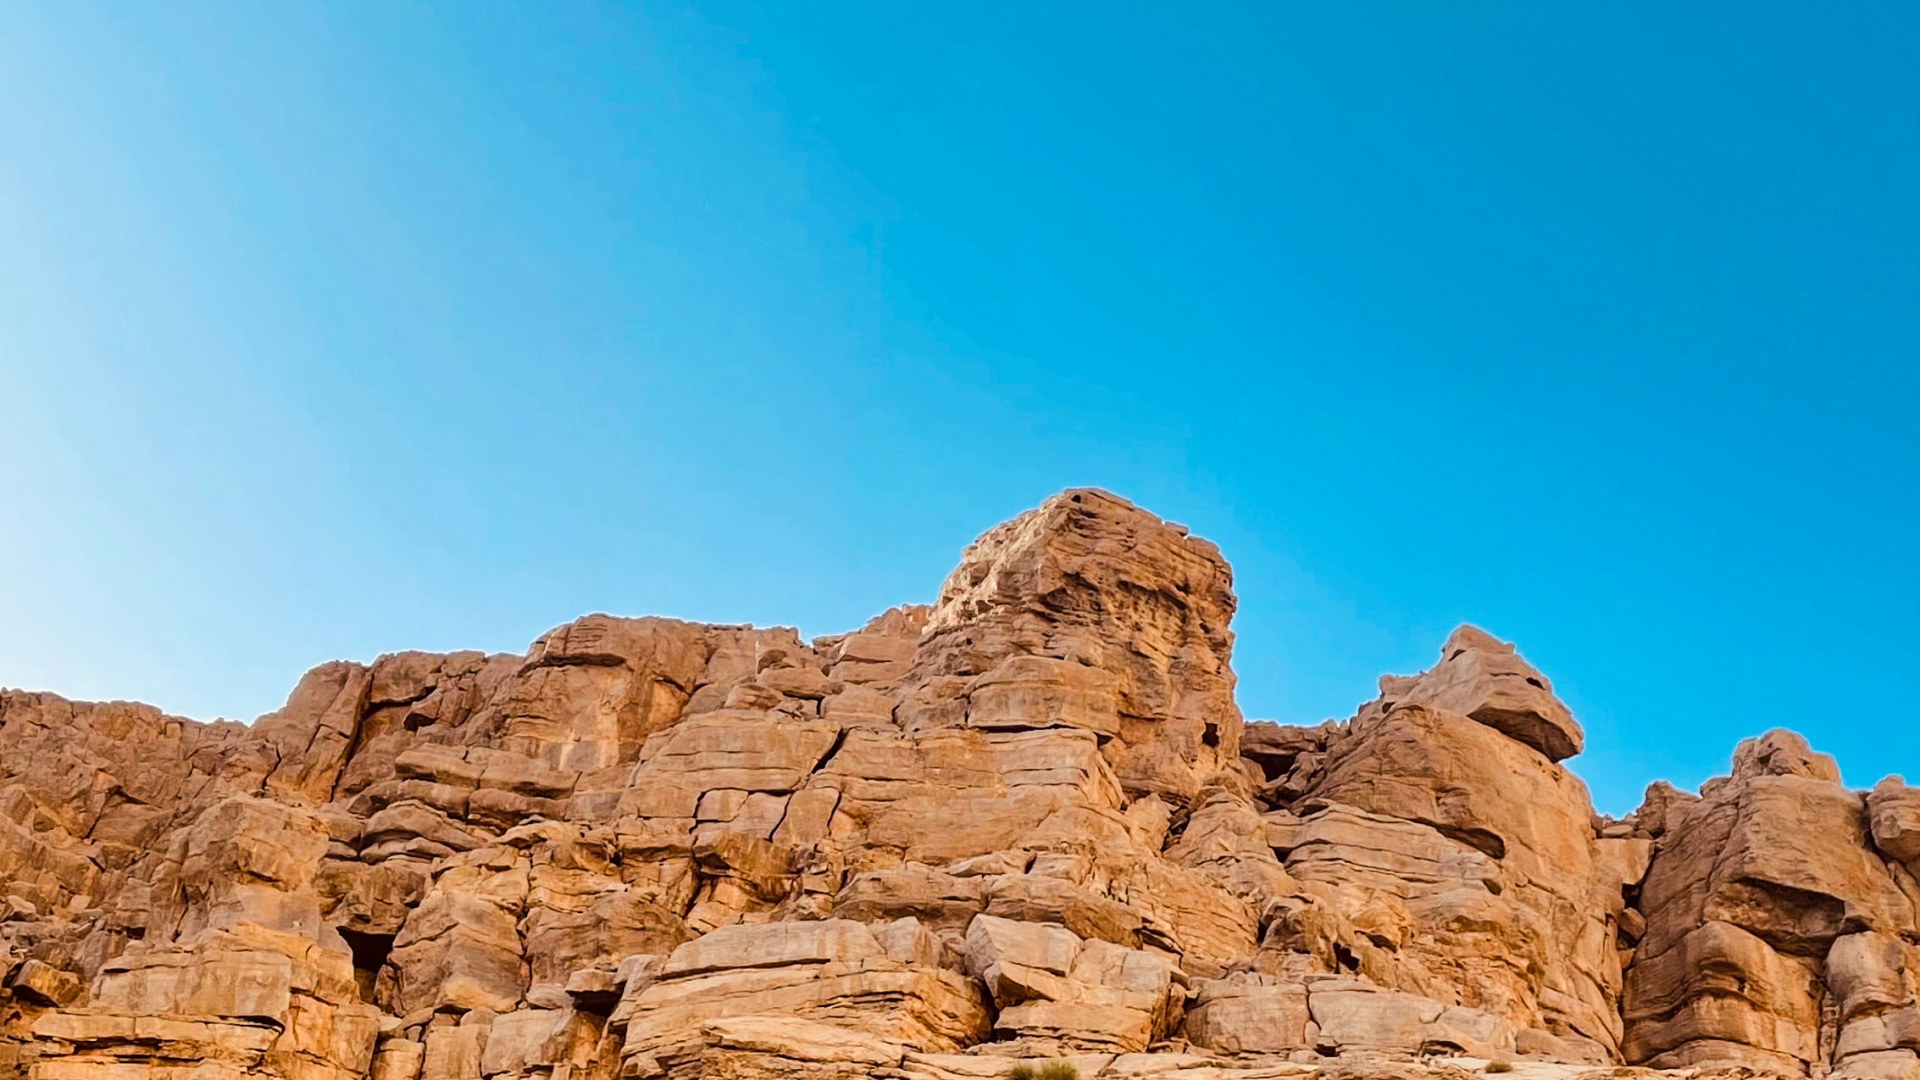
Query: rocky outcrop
[[1093, 615], [1776, 931], [1022, 827]]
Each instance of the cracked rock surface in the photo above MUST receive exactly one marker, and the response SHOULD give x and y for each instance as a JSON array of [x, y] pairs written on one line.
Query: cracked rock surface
[[1024, 826]]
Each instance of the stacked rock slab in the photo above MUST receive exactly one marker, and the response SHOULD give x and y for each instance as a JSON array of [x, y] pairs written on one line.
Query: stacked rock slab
[[1023, 825], [1779, 923], [1442, 851]]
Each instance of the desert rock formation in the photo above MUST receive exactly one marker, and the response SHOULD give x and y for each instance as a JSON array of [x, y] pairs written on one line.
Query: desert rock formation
[[1025, 825]]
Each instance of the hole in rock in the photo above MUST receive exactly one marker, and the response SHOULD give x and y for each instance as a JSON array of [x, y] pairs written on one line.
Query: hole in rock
[[596, 1003], [369, 956], [1343, 957]]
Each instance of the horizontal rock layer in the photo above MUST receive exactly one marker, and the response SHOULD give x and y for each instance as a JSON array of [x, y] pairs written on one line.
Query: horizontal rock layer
[[1022, 829]]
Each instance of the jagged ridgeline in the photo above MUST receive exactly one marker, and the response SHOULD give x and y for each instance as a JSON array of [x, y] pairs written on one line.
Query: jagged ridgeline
[[1023, 831]]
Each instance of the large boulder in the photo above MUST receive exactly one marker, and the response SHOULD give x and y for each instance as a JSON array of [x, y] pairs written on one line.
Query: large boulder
[[1893, 810], [1483, 678], [834, 972]]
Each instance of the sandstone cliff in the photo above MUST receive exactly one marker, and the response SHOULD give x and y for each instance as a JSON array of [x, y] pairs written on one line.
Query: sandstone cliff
[[1024, 825]]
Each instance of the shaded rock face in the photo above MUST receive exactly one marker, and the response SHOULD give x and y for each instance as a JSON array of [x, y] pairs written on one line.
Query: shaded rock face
[[1023, 825]]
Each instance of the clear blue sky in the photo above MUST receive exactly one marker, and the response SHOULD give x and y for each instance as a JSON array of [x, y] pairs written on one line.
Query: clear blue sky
[[334, 329]]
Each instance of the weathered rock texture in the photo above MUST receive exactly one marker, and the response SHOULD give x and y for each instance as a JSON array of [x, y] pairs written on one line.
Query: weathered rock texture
[[1026, 824]]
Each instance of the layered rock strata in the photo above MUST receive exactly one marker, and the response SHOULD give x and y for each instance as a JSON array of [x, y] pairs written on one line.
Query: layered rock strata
[[1023, 826]]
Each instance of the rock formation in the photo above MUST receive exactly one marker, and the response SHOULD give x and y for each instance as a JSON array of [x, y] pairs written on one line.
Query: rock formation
[[1023, 826]]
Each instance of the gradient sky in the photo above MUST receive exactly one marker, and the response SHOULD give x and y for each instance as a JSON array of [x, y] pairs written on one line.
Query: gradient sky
[[333, 329]]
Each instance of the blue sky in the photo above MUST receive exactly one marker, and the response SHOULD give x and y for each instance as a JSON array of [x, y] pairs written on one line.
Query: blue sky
[[329, 330]]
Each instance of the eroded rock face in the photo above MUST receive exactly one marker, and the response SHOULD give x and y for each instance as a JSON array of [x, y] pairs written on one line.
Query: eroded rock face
[[1767, 905], [1024, 825], [1451, 857], [1089, 581]]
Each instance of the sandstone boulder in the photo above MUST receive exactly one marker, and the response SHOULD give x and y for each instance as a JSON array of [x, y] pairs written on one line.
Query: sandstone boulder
[[1484, 679]]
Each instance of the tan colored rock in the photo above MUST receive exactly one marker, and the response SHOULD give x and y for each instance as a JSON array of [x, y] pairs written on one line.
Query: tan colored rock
[[856, 706], [880, 653], [455, 1052], [789, 1048], [462, 949], [1024, 693], [1724, 985], [1880, 1065], [591, 692], [735, 751], [314, 731], [1189, 913], [1508, 909], [996, 946], [1894, 811], [1782, 753], [800, 682], [948, 795], [1250, 1015], [399, 1059], [1275, 748], [914, 889], [1052, 987], [562, 942], [244, 993], [1039, 898], [834, 972], [1024, 825], [41, 982], [1483, 678], [1871, 981], [1093, 580], [1755, 884], [1351, 1015], [1229, 840]]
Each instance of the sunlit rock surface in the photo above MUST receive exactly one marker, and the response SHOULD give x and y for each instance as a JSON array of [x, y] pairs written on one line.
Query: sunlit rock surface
[[1023, 826]]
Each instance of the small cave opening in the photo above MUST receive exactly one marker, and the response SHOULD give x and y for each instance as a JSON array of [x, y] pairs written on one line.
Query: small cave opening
[[370, 953], [1344, 959], [597, 1001]]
